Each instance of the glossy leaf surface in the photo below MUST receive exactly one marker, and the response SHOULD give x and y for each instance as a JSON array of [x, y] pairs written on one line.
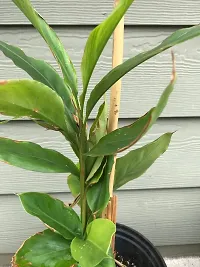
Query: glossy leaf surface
[[108, 262], [98, 194], [98, 39], [73, 182], [52, 40], [39, 71], [26, 98], [125, 137], [99, 126], [136, 162], [45, 249], [95, 248], [98, 175], [95, 167], [118, 72], [122, 137], [33, 157], [54, 213]]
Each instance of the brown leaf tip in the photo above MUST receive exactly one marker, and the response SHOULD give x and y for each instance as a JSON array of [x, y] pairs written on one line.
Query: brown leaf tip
[[173, 66], [6, 162], [49, 227], [40, 233], [3, 82], [17, 141], [76, 118], [13, 262]]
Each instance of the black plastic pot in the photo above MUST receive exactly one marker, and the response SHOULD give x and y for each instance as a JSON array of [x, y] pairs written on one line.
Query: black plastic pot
[[135, 250]]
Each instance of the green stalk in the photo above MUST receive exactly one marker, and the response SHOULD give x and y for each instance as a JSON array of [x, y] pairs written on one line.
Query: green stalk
[[83, 141]]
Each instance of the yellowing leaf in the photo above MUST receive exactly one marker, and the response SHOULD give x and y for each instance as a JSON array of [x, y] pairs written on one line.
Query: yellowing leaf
[[95, 248]]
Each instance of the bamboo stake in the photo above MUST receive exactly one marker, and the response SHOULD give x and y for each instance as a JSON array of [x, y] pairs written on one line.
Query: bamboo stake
[[117, 59]]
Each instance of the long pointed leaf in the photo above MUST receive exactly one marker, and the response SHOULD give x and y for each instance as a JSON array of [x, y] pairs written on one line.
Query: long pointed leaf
[[97, 41], [54, 213], [115, 74], [74, 184], [98, 195], [47, 249], [52, 40], [136, 162], [99, 126], [39, 71], [26, 98], [33, 157], [122, 138], [44, 73], [95, 167], [98, 175]]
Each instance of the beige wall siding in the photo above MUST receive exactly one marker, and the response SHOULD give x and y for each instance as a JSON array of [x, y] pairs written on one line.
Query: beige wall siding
[[89, 12], [142, 86], [169, 171], [166, 217]]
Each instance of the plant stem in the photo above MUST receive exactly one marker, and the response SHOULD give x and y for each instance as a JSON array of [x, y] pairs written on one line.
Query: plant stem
[[83, 141]]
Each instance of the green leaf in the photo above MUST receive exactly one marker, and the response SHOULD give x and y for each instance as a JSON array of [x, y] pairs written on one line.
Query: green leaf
[[98, 39], [95, 248], [97, 176], [97, 131], [73, 182], [54, 213], [163, 100], [99, 126], [26, 98], [136, 162], [39, 71], [98, 194], [45, 249], [122, 137], [52, 40], [44, 73], [95, 167], [33, 157], [70, 134], [115, 74], [108, 262]]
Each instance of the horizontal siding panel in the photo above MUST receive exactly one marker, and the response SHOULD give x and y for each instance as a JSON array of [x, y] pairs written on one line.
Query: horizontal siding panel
[[5, 260], [89, 12], [141, 87], [166, 217], [170, 171]]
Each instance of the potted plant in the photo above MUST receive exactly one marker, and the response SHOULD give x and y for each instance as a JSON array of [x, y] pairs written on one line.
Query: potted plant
[[53, 102]]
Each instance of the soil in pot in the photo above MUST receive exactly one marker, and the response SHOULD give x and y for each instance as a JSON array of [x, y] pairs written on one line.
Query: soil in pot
[[134, 250]]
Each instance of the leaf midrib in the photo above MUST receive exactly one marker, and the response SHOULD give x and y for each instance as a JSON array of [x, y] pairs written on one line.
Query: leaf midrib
[[30, 156], [62, 225], [32, 111], [32, 65], [130, 173], [52, 252]]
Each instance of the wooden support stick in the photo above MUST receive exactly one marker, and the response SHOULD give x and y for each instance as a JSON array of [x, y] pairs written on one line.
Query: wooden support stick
[[117, 59]]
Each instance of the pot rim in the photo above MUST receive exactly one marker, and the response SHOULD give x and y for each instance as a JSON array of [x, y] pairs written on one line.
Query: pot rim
[[137, 239]]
